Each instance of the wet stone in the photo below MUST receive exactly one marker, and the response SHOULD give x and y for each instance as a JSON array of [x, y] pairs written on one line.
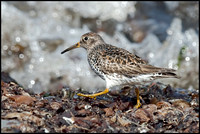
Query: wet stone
[[49, 112]]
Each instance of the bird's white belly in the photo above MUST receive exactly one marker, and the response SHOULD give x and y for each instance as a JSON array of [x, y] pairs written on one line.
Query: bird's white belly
[[115, 79]]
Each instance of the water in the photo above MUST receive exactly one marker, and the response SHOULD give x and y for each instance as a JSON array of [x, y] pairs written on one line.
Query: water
[[35, 33]]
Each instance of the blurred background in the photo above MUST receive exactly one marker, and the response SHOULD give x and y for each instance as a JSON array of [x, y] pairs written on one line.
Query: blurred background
[[166, 34]]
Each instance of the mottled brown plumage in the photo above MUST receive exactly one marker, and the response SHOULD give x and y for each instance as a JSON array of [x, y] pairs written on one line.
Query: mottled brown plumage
[[110, 59], [117, 66]]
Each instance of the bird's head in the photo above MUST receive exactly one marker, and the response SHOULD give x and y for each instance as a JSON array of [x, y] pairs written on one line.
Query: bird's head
[[87, 41]]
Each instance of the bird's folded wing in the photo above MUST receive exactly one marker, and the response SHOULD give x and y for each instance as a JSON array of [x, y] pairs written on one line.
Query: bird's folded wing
[[122, 62], [130, 65]]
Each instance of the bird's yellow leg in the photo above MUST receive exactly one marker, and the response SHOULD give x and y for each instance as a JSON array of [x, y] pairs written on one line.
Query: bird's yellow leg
[[138, 98], [94, 95]]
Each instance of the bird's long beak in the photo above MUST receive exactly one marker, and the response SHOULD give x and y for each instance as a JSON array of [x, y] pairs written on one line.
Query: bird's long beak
[[70, 48]]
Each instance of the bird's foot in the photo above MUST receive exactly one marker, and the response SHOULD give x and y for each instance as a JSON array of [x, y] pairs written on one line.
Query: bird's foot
[[137, 105], [94, 95], [87, 95]]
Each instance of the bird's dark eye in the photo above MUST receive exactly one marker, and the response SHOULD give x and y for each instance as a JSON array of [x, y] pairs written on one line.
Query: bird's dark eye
[[86, 38]]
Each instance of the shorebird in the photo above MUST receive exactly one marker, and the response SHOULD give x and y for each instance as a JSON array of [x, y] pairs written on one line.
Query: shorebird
[[117, 66]]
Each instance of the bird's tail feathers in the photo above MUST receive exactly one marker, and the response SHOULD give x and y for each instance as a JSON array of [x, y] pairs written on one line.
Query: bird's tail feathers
[[168, 75]]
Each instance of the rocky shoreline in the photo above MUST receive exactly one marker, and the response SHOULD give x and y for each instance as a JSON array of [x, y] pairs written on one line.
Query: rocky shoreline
[[164, 109]]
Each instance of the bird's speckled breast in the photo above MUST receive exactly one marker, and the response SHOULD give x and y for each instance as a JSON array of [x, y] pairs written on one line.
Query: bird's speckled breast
[[95, 56], [106, 59]]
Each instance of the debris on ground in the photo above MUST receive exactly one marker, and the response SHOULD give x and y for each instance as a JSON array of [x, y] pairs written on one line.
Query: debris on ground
[[164, 109]]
